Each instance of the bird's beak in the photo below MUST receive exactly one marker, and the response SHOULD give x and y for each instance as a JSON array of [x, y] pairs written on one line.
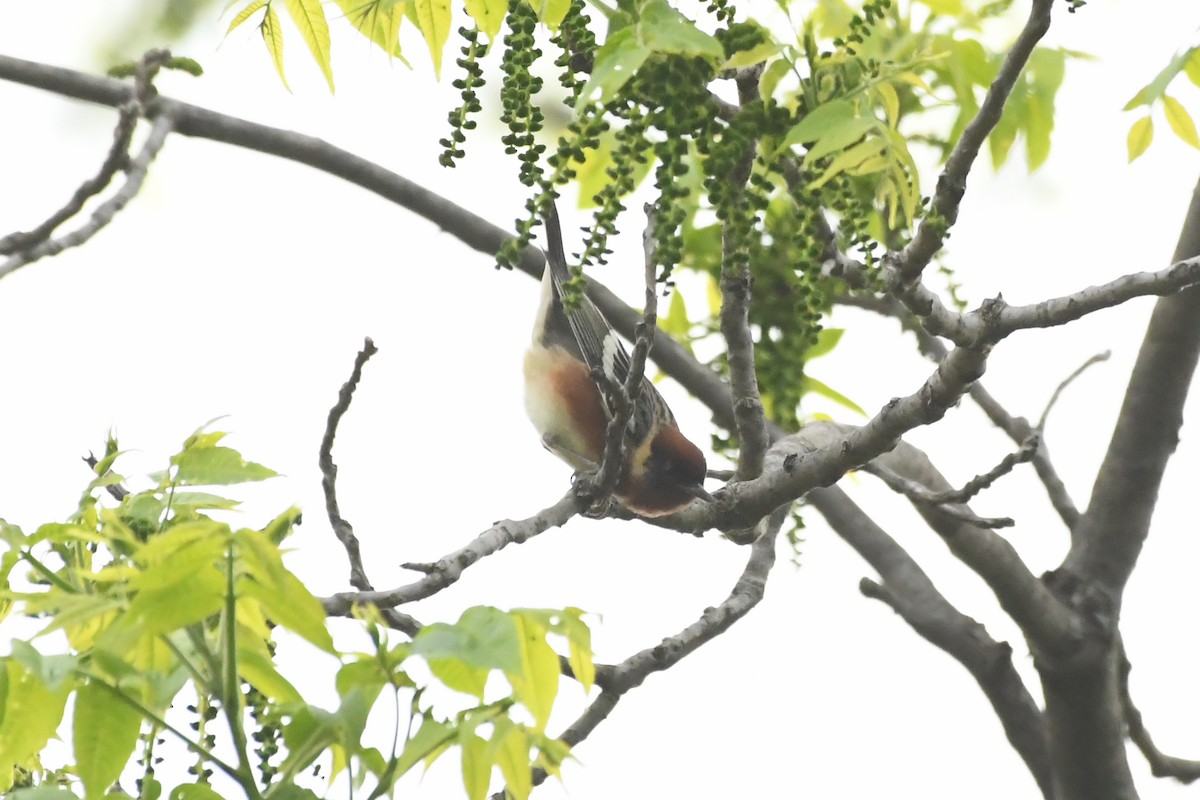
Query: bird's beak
[[699, 491]]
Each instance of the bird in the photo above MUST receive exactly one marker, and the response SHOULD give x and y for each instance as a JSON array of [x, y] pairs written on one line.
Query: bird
[[572, 345]]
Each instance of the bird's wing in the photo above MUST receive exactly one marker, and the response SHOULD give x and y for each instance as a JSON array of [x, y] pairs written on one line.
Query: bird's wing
[[598, 343]]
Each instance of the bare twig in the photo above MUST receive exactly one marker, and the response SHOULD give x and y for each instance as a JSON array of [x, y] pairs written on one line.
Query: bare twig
[[953, 181], [1096, 359], [117, 490], [1061, 310], [449, 568], [341, 528], [623, 398], [919, 493], [630, 673], [1162, 765], [25, 247], [736, 289], [104, 214], [1017, 428]]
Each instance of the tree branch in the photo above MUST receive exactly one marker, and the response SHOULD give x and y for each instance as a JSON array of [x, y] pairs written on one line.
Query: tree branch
[[623, 398], [736, 287], [1125, 493], [449, 568], [1044, 620], [1096, 359], [629, 674], [341, 528], [911, 594], [1017, 428], [1161, 765], [952, 183]]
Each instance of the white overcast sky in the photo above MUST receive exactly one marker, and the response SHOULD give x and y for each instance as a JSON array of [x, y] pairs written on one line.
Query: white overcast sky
[[242, 285]]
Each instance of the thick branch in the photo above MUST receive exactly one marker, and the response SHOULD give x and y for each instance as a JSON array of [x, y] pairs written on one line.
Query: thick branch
[[1117, 521], [1044, 620], [912, 595], [1017, 428]]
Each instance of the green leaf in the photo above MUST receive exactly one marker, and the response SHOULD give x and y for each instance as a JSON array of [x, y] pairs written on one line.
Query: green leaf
[[476, 765], [433, 18], [459, 676], [273, 39], [483, 637], [949, 8], [815, 386], [676, 321], [1192, 66], [890, 101], [536, 684], [53, 671], [621, 55], [198, 501], [512, 756], [550, 13], [104, 733], [819, 121], [579, 639], [1141, 134], [281, 527], [1038, 126], [309, 17], [665, 30], [245, 14], [848, 159], [593, 174], [30, 716], [193, 598], [489, 15], [43, 792], [827, 339], [260, 672], [217, 466], [378, 20], [1180, 121], [306, 735], [771, 77], [194, 791], [283, 596], [428, 739]]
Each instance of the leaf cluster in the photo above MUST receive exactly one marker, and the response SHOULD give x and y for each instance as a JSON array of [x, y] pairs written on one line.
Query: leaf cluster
[[160, 603]]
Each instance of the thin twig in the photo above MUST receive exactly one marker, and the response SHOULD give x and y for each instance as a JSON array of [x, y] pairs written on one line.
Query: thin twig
[[917, 493], [135, 175], [747, 592], [342, 529], [1161, 765], [117, 490], [736, 288], [1096, 359], [953, 181], [923, 494], [448, 569], [623, 398], [1017, 428]]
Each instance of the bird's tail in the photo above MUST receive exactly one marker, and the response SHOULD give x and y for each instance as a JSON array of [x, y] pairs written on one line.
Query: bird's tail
[[555, 255]]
